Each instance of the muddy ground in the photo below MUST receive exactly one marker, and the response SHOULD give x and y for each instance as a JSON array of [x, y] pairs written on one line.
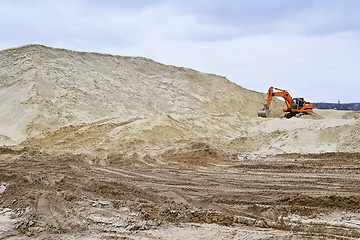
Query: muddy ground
[[193, 193]]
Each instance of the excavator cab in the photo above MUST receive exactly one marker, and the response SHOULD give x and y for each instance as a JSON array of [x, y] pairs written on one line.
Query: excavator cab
[[298, 104]]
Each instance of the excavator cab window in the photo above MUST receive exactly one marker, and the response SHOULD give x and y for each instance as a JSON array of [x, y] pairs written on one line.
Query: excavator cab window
[[295, 103], [301, 103]]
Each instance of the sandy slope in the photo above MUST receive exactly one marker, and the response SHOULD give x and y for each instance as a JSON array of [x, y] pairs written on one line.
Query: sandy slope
[[61, 100], [230, 133], [42, 89], [334, 114]]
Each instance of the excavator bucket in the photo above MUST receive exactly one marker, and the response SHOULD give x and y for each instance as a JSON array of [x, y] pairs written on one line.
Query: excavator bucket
[[264, 113]]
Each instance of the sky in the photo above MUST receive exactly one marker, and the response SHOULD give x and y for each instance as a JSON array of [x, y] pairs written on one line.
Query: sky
[[309, 47]]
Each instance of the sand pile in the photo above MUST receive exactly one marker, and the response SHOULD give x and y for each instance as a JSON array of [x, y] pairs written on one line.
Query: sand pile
[[334, 114], [62, 100], [296, 135], [43, 89], [231, 134]]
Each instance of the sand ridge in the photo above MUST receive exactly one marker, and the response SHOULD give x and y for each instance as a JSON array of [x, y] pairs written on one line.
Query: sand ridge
[[62, 99], [43, 89]]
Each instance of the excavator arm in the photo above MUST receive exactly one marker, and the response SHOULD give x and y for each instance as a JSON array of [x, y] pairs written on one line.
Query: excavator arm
[[286, 95]]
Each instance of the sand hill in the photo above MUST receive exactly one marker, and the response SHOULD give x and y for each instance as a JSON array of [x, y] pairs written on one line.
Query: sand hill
[[43, 89], [57, 99]]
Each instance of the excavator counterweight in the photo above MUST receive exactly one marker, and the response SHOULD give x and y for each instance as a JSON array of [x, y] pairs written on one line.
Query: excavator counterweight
[[293, 105]]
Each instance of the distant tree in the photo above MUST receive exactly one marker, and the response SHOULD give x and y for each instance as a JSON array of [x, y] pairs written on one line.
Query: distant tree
[[338, 106]]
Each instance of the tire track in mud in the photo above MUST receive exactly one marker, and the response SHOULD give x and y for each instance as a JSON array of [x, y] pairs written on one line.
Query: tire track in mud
[[224, 184], [274, 192]]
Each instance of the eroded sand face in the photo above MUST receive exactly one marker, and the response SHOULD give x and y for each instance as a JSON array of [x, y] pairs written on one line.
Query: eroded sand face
[[107, 147], [43, 89]]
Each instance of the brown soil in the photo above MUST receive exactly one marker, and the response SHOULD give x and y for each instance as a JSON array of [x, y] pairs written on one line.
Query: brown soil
[[126, 194]]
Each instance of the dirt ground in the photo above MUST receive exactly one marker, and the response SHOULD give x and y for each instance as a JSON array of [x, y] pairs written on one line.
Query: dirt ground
[[194, 192]]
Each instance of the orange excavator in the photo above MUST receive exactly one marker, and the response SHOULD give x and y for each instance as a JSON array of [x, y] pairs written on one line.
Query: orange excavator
[[293, 105]]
